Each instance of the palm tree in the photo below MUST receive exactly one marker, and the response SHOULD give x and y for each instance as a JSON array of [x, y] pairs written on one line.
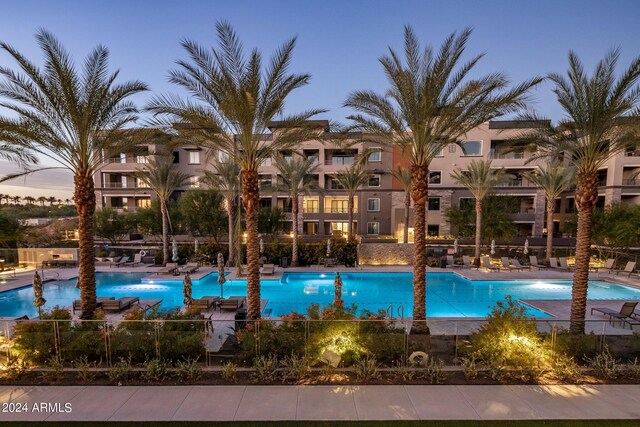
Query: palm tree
[[73, 116], [430, 105], [42, 200], [51, 200], [163, 177], [352, 179], [235, 103], [225, 178], [297, 180], [554, 180], [403, 175], [601, 120], [29, 200], [67, 201], [480, 180], [16, 200]]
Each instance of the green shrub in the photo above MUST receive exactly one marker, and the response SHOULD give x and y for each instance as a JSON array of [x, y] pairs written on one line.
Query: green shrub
[[188, 369], [229, 372], [366, 368], [35, 340], [154, 370], [566, 369], [54, 370], [265, 369], [121, 370], [404, 372], [470, 366], [294, 368], [86, 369], [432, 370], [604, 365]]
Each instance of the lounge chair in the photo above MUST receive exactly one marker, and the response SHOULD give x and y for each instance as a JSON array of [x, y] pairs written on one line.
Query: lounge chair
[[628, 269], [607, 267], [329, 262], [77, 304], [268, 269], [564, 264], [232, 303], [553, 264], [119, 304], [466, 262], [190, 267], [170, 268], [506, 264], [124, 260], [486, 263], [137, 259], [625, 312], [519, 266], [204, 303], [533, 260], [112, 257], [451, 263]]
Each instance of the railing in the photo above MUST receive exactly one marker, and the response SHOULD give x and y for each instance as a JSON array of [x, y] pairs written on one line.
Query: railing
[[338, 210], [340, 161], [493, 154], [388, 340], [634, 181], [311, 210], [133, 159]]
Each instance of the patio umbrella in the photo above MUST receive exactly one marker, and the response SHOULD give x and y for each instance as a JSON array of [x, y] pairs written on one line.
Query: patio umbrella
[[526, 247], [186, 290], [196, 246], [337, 299], [261, 246], [455, 246], [493, 247], [174, 249], [38, 300], [221, 278], [328, 247]]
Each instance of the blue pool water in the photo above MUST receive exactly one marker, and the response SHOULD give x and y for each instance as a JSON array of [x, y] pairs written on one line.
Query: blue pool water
[[448, 295]]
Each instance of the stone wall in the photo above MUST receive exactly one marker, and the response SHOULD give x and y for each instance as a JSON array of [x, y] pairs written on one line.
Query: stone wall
[[385, 253]]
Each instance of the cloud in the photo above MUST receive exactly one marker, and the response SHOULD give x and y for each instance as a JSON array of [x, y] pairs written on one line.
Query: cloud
[[55, 182]]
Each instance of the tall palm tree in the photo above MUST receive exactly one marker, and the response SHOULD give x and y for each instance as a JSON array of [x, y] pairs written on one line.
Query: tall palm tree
[[225, 177], [297, 180], [73, 115], [480, 180], [403, 175], [51, 200], [42, 200], [29, 200], [602, 118], [163, 177], [352, 179], [430, 104], [234, 103], [16, 200], [554, 180]]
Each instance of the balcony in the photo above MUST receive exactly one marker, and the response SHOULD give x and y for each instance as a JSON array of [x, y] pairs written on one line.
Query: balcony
[[494, 154], [311, 210], [634, 181], [340, 161]]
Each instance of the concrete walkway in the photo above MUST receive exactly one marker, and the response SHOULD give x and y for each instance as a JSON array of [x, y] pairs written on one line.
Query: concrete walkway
[[220, 403]]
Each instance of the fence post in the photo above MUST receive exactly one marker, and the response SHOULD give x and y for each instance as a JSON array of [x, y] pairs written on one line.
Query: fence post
[[157, 337], [306, 341], [107, 343], [56, 338]]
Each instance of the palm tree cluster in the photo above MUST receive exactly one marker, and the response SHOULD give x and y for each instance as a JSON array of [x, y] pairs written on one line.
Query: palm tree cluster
[[77, 116]]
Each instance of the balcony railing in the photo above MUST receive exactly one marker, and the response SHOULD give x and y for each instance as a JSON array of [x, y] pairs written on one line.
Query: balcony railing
[[494, 154], [340, 161], [338, 210], [311, 210], [634, 181], [133, 159]]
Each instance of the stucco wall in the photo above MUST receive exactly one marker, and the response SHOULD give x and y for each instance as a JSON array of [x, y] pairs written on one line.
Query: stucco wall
[[385, 253]]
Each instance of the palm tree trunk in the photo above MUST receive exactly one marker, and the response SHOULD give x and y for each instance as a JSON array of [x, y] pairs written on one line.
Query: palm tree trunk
[[586, 197], [419, 193], [250, 200], [85, 200], [476, 261], [350, 224], [294, 242], [550, 208], [232, 241], [165, 231], [407, 206]]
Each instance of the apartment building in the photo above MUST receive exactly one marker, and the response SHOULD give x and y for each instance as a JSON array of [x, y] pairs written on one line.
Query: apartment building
[[379, 205]]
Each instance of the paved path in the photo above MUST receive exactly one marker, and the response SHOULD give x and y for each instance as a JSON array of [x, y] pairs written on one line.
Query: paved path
[[209, 403]]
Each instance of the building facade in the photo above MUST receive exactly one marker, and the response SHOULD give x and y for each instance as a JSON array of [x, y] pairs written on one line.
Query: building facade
[[379, 205]]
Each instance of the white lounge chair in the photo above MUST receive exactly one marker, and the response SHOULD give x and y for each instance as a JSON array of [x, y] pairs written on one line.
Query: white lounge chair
[[608, 266], [268, 269], [628, 269], [451, 263], [565, 265], [533, 260], [486, 263]]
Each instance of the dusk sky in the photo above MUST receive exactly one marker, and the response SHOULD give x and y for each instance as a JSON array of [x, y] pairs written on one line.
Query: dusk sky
[[339, 42]]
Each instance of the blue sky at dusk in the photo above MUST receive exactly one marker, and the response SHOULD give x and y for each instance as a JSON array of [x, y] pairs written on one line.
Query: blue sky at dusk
[[339, 42]]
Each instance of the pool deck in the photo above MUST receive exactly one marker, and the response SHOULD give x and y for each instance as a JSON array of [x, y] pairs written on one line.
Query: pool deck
[[354, 403], [560, 309]]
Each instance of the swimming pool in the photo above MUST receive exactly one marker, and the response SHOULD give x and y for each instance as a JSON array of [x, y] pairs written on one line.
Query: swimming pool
[[448, 295]]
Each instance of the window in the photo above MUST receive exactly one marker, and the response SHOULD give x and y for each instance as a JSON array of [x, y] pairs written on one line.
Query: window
[[435, 177], [264, 181], [310, 205], [140, 183], [337, 206], [143, 203], [194, 181], [465, 202], [266, 162], [373, 205], [375, 156], [374, 180], [452, 148], [440, 153], [265, 203], [310, 228], [373, 228], [472, 148], [176, 157], [434, 203], [194, 157], [433, 230]]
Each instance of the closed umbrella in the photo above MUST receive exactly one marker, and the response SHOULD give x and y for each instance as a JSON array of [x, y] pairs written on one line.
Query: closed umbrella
[[186, 290], [526, 247], [196, 246], [38, 300], [328, 247], [221, 278], [493, 247], [337, 299], [455, 246], [174, 248], [261, 246]]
